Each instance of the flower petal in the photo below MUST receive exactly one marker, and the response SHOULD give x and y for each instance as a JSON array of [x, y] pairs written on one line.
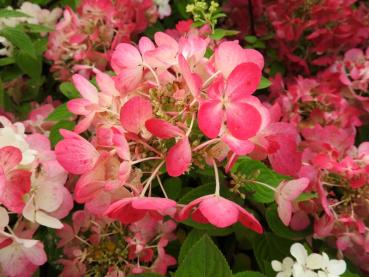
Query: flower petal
[[179, 158], [210, 117], [243, 80], [85, 88], [134, 114], [162, 129]]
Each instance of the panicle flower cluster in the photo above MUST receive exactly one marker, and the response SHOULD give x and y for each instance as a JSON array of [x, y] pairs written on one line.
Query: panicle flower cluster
[[98, 246], [88, 36], [32, 194], [35, 15], [325, 111], [305, 33]]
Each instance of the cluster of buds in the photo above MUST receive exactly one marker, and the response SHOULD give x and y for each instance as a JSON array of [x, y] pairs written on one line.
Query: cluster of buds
[[88, 36]]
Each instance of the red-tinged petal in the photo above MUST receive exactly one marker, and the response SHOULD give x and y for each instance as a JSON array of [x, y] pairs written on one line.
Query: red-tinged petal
[[243, 120], [179, 158], [85, 88], [124, 212], [193, 81], [210, 117], [10, 157], [84, 124], [134, 114], [125, 56], [85, 192], [219, 211], [186, 211], [198, 217], [161, 205], [163, 129], [124, 171], [75, 154], [240, 147], [249, 221], [243, 80]]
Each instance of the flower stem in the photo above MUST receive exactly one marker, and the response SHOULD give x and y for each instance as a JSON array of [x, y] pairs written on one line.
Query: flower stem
[[149, 180], [217, 184]]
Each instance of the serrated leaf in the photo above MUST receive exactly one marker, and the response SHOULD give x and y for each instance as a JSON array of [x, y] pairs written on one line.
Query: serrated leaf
[[191, 239], [61, 112], [19, 39], [55, 136], [68, 89], [277, 226], [264, 83], [6, 13], [249, 274], [204, 260], [253, 170]]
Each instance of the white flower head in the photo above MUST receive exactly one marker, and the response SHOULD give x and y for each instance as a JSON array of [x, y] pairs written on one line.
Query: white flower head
[[163, 8], [304, 265]]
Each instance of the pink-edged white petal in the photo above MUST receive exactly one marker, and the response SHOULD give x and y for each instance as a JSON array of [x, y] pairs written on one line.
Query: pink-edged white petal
[[240, 147], [87, 90], [125, 56]]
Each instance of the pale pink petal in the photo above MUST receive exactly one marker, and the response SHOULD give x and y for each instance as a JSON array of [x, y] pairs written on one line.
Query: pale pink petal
[[243, 80], [129, 78], [162, 129], [4, 218], [210, 117], [125, 56], [219, 211], [240, 147], [243, 120], [254, 56], [47, 220], [134, 114], [285, 211], [193, 81], [106, 84], [85, 88], [164, 39], [145, 44], [178, 159], [292, 189], [36, 254], [79, 106], [84, 124]]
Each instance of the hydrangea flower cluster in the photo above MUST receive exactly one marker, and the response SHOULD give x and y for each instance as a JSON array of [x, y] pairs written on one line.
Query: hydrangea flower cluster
[[88, 36], [318, 265]]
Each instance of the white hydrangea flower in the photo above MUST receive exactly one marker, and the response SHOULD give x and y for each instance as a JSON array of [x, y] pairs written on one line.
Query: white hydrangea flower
[[13, 135], [163, 8], [7, 47], [304, 265]]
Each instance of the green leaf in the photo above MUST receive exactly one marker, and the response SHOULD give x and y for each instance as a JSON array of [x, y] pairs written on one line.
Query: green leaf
[[249, 274], [19, 39], [2, 95], [251, 172], [28, 64], [221, 33], [306, 196], [264, 83], [251, 39], [36, 28], [148, 274], [68, 89], [191, 239], [11, 13], [196, 193], [6, 61], [208, 228], [55, 136], [60, 113], [173, 187], [204, 260], [280, 229], [269, 247]]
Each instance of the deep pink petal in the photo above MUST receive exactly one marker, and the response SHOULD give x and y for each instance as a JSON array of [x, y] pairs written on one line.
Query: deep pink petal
[[219, 211], [162, 129], [124, 212], [161, 205], [179, 157], [243, 120], [134, 114], [249, 221], [243, 80], [85, 88], [210, 117]]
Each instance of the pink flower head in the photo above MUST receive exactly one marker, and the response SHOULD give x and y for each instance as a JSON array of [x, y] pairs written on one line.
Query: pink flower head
[[219, 212], [130, 210], [286, 194], [75, 154], [227, 101]]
